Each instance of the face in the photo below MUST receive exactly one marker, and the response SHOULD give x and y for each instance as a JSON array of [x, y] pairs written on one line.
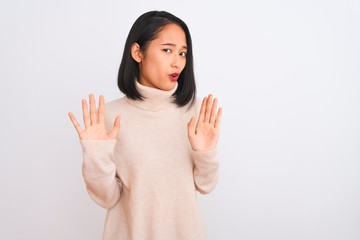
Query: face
[[164, 59]]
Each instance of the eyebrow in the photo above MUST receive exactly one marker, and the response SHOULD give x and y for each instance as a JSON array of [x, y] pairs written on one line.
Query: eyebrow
[[172, 44]]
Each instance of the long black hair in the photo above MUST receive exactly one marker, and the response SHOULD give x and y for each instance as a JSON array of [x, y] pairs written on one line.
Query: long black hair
[[143, 31]]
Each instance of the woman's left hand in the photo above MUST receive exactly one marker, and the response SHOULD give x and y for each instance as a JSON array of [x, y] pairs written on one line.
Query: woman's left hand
[[205, 134]]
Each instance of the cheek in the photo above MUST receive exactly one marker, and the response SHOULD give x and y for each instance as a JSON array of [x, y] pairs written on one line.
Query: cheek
[[157, 62], [151, 65]]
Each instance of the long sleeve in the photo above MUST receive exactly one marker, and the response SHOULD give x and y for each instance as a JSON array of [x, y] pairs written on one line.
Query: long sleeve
[[205, 170], [99, 172], [147, 178]]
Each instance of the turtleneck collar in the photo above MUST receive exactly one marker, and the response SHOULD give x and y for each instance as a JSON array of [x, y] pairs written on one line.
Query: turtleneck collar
[[154, 99]]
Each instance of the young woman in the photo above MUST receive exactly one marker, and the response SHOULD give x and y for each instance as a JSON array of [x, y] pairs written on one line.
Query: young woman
[[147, 174]]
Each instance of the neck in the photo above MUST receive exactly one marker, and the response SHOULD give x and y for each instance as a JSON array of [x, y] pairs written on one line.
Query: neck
[[153, 99]]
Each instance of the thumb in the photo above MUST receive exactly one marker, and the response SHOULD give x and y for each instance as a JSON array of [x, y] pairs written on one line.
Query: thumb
[[191, 127], [115, 130]]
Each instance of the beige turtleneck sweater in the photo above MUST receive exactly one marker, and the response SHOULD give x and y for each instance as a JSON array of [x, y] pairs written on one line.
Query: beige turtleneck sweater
[[148, 177]]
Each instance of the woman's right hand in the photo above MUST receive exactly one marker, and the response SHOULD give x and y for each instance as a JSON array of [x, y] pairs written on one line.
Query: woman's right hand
[[94, 122]]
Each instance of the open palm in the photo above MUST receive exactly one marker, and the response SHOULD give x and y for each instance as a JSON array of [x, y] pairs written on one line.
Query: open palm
[[205, 134], [94, 121]]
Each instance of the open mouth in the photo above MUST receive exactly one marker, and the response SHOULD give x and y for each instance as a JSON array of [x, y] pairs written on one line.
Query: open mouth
[[174, 76]]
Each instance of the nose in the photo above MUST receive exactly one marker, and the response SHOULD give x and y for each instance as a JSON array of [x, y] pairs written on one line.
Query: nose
[[175, 61]]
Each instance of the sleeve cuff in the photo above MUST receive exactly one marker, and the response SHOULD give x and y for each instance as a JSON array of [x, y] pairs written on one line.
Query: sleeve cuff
[[205, 156], [97, 147]]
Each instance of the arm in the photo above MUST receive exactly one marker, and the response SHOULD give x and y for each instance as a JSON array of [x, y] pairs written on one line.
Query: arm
[[203, 139], [99, 170], [206, 170]]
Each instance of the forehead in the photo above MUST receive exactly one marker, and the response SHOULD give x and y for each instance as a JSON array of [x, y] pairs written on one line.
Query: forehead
[[171, 33]]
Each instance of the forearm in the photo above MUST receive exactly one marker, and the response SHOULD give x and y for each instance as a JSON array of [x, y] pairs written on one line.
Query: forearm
[[206, 170], [99, 172]]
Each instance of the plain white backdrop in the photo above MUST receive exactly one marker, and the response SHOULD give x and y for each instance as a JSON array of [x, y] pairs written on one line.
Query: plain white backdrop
[[286, 73]]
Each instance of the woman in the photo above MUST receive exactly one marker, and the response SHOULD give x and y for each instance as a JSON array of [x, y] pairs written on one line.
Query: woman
[[147, 174]]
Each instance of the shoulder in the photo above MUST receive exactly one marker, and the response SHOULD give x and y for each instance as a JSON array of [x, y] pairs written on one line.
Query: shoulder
[[115, 104], [197, 105], [192, 108], [114, 107]]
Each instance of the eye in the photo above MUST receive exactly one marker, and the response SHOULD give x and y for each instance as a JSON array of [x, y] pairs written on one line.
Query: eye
[[167, 50], [183, 54]]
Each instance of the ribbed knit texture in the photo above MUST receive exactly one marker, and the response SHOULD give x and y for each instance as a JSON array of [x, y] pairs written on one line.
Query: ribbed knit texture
[[148, 177]]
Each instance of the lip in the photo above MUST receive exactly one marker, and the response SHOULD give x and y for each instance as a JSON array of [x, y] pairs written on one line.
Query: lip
[[174, 76]]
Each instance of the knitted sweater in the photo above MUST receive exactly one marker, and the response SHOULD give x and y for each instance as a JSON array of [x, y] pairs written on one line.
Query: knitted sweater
[[147, 179]]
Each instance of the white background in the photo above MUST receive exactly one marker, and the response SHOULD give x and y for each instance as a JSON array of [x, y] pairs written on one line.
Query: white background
[[286, 73]]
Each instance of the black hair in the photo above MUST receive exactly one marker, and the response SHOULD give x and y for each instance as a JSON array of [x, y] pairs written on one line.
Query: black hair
[[143, 31]]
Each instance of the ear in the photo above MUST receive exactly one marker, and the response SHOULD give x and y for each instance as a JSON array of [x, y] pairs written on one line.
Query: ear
[[136, 52]]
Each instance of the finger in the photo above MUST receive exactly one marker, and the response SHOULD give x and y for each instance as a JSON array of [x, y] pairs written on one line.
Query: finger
[[213, 111], [115, 130], [75, 123], [101, 109], [202, 110], [86, 116], [208, 108], [191, 127], [93, 117], [218, 118]]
